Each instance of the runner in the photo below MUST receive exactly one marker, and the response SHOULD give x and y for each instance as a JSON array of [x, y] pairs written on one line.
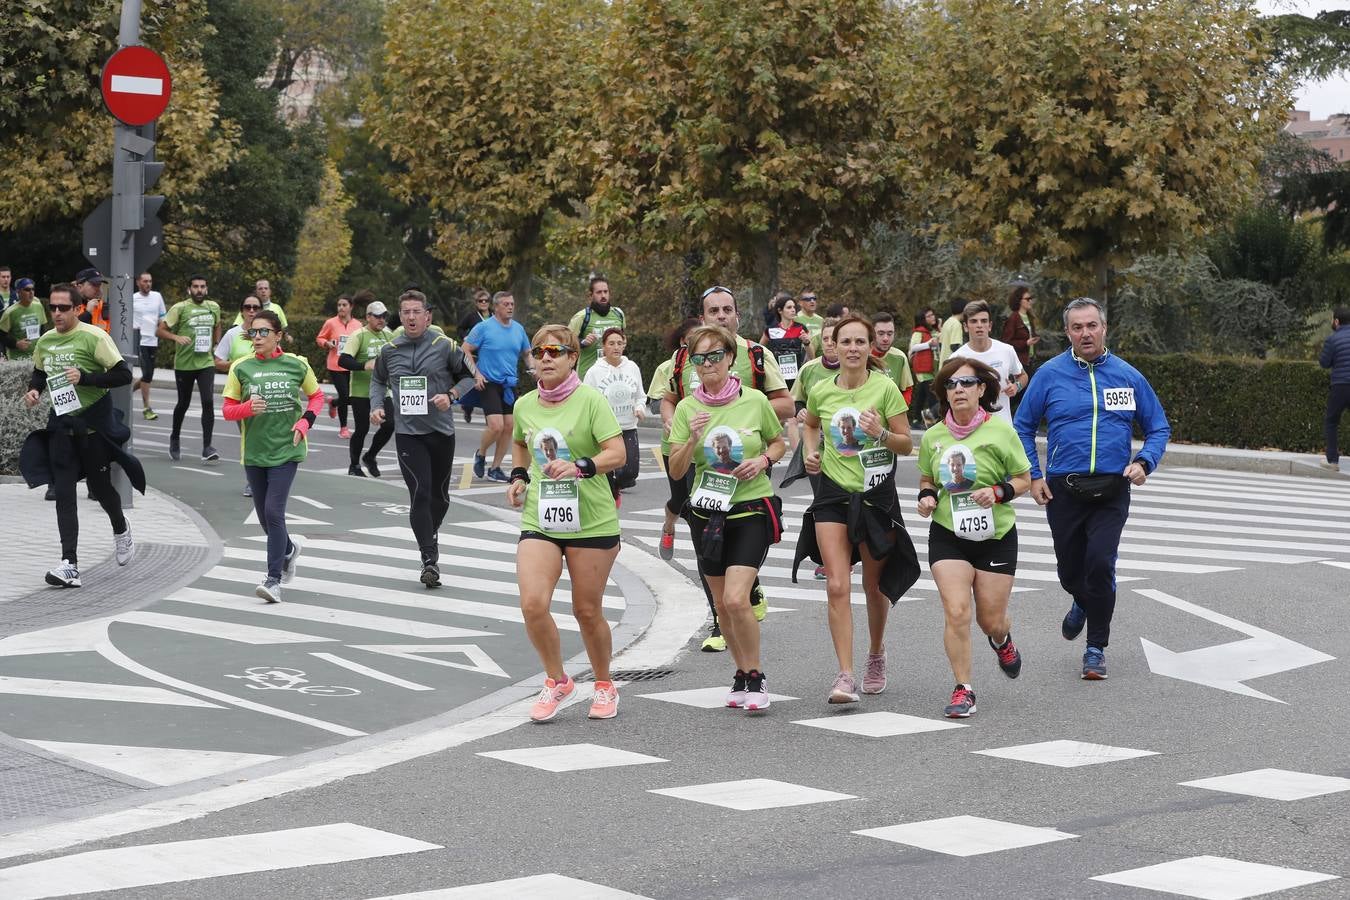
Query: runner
[[733, 513], [1091, 400], [358, 357], [806, 317], [923, 341], [233, 346], [972, 540], [275, 398], [568, 514], [333, 337], [147, 310], [425, 374], [619, 379], [893, 358], [788, 340], [656, 391], [194, 325], [21, 324], [482, 303], [822, 368], [495, 349], [856, 513], [1000, 357], [591, 323], [77, 363], [953, 332]]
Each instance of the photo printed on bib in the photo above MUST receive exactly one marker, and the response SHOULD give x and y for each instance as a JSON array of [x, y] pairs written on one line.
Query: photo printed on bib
[[723, 449], [550, 445], [846, 431], [957, 470]]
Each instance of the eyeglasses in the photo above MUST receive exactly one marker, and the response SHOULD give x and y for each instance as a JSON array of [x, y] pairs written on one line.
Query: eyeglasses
[[962, 381], [712, 356], [252, 306], [718, 289], [259, 332], [552, 351], [57, 307], [808, 299]]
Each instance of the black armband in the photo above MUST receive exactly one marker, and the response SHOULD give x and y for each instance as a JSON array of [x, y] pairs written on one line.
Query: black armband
[[309, 417], [1006, 492], [799, 405], [348, 362], [585, 467], [117, 376], [928, 492], [520, 473], [37, 381]]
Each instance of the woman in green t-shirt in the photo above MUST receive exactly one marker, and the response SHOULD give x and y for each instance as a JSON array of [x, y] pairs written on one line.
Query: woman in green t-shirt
[[971, 466], [358, 357], [564, 437], [274, 396], [855, 428], [679, 487], [729, 437]]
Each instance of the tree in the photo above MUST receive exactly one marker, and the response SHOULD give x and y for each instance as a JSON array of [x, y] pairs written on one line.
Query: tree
[[482, 108], [1315, 47], [1085, 132], [341, 33], [324, 249], [742, 130]]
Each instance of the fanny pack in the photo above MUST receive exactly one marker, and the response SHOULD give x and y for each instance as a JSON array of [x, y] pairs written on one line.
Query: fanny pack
[[1095, 487]]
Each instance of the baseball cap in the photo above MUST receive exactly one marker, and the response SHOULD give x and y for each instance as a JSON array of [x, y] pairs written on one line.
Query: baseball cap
[[376, 308], [93, 276], [23, 283]]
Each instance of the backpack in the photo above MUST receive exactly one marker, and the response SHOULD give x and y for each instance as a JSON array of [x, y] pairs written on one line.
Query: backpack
[[586, 319], [756, 369]]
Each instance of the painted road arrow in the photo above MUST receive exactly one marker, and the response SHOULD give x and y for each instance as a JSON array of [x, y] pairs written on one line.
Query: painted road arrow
[[1227, 666]]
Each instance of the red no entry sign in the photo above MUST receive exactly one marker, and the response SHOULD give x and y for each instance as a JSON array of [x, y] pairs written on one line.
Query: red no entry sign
[[136, 85]]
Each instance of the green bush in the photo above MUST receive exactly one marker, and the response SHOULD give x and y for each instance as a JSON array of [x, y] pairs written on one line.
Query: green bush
[[1249, 403], [16, 420]]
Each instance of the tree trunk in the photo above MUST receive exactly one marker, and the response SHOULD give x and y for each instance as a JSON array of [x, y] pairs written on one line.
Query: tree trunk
[[690, 304], [765, 266], [1101, 267], [522, 273]]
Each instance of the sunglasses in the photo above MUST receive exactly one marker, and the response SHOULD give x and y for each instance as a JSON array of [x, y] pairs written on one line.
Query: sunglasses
[[712, 356], [259, 332], [718, 289], [967, 381], [808, 299], [552, 351], [57, 307], [252, 307]]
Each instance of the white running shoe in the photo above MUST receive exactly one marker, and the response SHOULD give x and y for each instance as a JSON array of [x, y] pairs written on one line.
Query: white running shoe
[[288, 565], [269, 590], [66, 575], [124, 547]]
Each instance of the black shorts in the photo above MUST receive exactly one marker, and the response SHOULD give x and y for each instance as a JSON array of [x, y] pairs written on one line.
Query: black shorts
[[606, 542], [997, 555], [744, 543], [148, 355], [836, 513], [492, 399]]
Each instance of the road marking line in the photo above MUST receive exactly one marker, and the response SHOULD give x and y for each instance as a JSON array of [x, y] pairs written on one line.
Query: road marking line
[[479, 660], [213, 628], [467, 478], [157, 765], [371, 673], [312, 502], [325, 614], [291, 519], [660, 463], [89, 690], [199, 471], [552, 886]]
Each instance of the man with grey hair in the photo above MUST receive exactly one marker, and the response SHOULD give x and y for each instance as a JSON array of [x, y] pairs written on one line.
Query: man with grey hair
[[495, 347], [1091, 401]]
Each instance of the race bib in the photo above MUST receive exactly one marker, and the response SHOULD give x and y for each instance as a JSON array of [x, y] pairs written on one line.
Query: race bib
[[1121, 398], [63, 396], [412, 395], [32, 331], [878, 463], [201, 339], [560, 506], [787, 365], [971, 521], [342, 342], [713, 492]]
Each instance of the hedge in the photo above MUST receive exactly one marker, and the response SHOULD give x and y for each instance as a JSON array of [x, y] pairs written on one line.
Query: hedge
[[16, 420]]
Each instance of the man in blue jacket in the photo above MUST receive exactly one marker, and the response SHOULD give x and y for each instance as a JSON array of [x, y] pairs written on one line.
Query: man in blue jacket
[[1090, 400], [1336, 357]]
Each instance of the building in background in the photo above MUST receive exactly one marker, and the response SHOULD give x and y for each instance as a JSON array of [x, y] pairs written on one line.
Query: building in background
[[1330, 135]]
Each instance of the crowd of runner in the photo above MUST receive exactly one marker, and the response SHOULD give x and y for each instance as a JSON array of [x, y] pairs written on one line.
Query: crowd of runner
[[833, 393]]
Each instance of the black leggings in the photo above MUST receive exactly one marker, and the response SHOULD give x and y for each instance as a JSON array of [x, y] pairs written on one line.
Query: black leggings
[[71, 455], [271, 489], [426, 461], [626, 477], [361, 425], [205, 382], [342, 380]]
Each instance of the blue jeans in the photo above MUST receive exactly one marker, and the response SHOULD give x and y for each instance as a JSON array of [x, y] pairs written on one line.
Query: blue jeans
[[271, 489]]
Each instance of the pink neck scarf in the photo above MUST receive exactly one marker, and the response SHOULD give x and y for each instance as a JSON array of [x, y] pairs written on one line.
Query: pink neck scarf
[[961, 432], [824, 361], [731, 389], [563, 390]]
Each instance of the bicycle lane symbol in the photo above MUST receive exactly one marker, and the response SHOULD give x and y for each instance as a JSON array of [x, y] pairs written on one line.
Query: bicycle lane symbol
[[389, 509], [273, 678]]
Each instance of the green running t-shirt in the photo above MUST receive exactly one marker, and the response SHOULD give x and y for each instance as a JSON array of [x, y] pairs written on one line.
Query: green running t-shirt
[[738, 431], [596, 326], [571, 507], [989, 455], [656, 390], [85, 347], [285, 382], [23, 323], [849, 457], [364, 346], [814, 372], [197, 322]]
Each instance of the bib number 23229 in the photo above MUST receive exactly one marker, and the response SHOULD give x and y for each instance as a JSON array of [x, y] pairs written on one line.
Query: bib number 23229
[[560, 506], [971, 521]]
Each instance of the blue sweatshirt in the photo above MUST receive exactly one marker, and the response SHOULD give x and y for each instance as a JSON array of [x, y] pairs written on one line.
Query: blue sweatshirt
[[1090, 408], [1336, 355]]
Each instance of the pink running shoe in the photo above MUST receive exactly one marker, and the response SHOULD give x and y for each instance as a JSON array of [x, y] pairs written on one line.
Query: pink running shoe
[[874, 678], [606, 702], [736, 696], [845, 689], [345, 433], [550, 698]]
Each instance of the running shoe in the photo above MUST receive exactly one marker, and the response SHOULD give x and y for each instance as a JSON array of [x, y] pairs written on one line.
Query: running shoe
[[1073, 623], [345, 433], [1009, 659], [66, 575], [356, 470], [149, 414], [124, 548], [50, 495], [667, 549], [332, 409], [845, 689], [288, 564], [175, 452], [820, 573], [962, 705], [758, 605], [269, 590], [468, 416], [736, 696], [714, 642], [874, 676], [550, 698], [431, 575], [248, 490], [756, 694], [1094, 664], [371, 465], [606, 702], [496, 474], [479, 465], [209, 455]]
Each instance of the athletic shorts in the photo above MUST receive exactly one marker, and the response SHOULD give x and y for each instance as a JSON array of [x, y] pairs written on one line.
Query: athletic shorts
[[148, 355], [837, 513], [605, 542], [998, 555], [745, 542], [492, 398]]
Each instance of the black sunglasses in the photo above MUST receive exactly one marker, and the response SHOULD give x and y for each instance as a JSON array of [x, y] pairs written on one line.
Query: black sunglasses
[[56, 307], [962, 381]]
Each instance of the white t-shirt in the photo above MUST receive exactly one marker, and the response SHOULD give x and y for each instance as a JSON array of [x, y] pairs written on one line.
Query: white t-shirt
[[146, 311], [1002, 358], [622, 387]]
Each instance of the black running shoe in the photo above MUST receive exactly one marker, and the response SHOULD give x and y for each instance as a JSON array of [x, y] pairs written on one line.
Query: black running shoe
[[1009, 659], [431, 575], [371, 465]]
